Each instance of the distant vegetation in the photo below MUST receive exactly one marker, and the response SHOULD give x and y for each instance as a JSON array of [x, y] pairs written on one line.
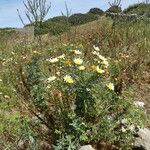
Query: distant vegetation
[[96, 11], [59, 19], [140, 9], [78, 19], [63, 23], [53, 27], [60, 24]]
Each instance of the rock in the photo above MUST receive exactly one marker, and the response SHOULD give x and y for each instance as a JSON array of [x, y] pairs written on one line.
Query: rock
[[87, 147], [142, 141]]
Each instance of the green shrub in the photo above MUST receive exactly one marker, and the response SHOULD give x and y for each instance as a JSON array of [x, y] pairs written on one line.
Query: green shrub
[[139, 8], [59, 19], [52, 28], [77, 19], [96, 11], [114, 9], [57, 28], [41, 31]]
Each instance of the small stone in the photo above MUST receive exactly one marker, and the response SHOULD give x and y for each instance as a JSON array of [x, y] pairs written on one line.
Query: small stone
[[87, 147]]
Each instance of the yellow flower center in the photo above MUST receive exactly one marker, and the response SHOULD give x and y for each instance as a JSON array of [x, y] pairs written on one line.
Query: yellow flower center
[[93, 67], [81, 68], [77, 52], [110, 86], [68, 62]]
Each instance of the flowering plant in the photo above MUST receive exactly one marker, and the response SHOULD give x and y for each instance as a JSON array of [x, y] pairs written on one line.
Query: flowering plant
[[86, 92], [77, 99]]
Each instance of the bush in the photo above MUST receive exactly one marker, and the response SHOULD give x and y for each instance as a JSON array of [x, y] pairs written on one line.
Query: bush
[[77, 19], [96, 11], [114, 9], [139, 8], [147, 14], [52, 28], [77, 99], [41, 31], [59, 19]]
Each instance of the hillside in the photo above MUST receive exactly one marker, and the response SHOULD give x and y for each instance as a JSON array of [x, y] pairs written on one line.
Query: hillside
[[60, 24], [76, 83]]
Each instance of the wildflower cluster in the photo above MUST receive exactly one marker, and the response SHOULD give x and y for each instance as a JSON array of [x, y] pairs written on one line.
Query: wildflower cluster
[[88, 91], [66, 68], [78, 100]]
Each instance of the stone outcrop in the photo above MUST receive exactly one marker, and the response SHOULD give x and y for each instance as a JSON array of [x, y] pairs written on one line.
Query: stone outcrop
[[142, 140]]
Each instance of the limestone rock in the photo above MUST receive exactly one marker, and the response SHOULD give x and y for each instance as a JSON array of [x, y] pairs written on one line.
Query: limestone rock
[[142, 141], [87, 147]]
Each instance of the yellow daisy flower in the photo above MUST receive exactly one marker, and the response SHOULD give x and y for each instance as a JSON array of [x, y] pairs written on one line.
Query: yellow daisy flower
[[52, 78], [99, 70], [68, 79], [110, 86], [81, 68], [78, 61], [77, 52]]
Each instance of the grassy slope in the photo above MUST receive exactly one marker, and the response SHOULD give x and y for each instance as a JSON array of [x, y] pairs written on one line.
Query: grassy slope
[[130, 44], [127, 38]]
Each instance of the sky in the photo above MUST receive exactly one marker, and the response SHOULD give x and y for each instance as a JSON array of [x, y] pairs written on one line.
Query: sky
[[9, 16]]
